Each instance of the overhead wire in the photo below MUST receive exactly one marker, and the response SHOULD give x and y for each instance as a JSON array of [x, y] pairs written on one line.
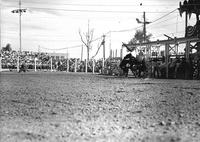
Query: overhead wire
[[101, 5], [165, 15], [86, 10], [170, 24], [76, 46], [126, 30], [162, 21], [122, 4], [98, 11]]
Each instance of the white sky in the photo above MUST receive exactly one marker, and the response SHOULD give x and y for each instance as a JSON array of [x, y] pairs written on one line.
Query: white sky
[[55, 24]]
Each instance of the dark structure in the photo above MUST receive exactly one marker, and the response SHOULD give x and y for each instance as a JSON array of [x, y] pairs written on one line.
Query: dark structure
[[187, 65], [191, 7]]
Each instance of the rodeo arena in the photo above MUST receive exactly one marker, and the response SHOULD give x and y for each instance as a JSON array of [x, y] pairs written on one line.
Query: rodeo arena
[[149, 93]]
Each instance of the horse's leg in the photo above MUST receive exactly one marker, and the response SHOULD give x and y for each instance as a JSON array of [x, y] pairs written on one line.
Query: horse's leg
[[176, 70], [155, 73], [126, 72], [158, 72], [123, 71], [134, 73], [132, 70], [139, 72]]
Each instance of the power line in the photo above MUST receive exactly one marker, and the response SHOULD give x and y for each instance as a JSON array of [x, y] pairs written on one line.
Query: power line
[[164, 15], [76, 46], [170, 24], [150, 23], [122, 4], [95, 11], [100, 5], [50, 38], [75, 17], [126, 30], [111, 5], [100, 11], [153, 24]]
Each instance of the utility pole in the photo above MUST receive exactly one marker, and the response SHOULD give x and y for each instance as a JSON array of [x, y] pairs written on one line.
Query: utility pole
[[0, 23], [20, 28], [0, 38], [144, 25], [20, 11], [144, 28]]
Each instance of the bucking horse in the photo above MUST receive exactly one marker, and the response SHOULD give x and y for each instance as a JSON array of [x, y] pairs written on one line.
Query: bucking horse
[[138, 67]]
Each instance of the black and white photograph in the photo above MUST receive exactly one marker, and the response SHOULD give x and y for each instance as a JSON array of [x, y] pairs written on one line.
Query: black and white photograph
[[100, 71]]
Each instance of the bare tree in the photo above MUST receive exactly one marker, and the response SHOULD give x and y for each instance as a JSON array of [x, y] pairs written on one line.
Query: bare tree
[[86, 39]]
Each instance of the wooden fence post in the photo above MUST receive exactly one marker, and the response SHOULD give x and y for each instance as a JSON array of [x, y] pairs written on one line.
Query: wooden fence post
[[187, 54], [75, 66], [35, 65], [86, 65], [0, 63], [93, 65], [103, 66], [51, 65], [18, 63], [167, 59], [67, 65]]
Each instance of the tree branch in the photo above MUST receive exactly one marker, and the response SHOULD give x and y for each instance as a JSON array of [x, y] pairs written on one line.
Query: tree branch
[[82, 39]]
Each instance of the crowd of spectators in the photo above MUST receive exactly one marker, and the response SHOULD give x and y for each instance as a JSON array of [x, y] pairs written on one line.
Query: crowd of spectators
[[9, 59], [43, 62]]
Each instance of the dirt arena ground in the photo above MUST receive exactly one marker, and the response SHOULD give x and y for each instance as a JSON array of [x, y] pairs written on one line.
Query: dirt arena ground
[[78, 107]]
